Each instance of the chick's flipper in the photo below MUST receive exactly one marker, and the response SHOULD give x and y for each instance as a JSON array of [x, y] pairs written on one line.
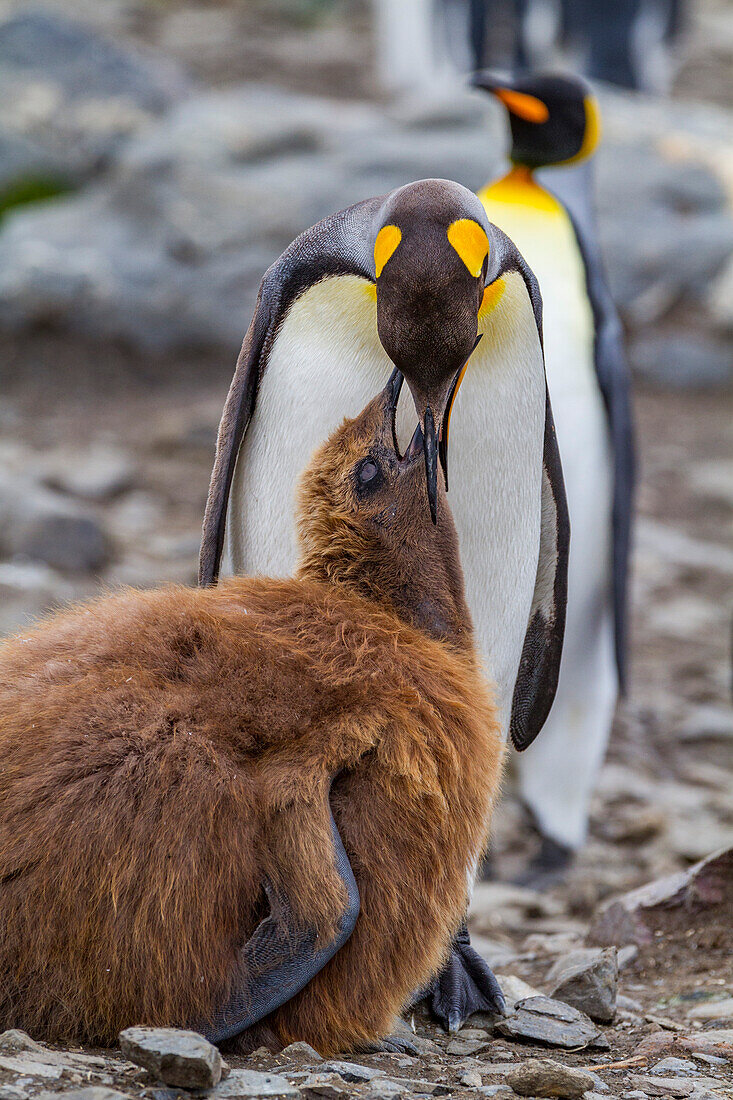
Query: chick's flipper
[[276, 962], [465, 985]]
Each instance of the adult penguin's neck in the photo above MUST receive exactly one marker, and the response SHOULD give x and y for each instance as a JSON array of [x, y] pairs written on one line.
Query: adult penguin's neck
[[518, 187]]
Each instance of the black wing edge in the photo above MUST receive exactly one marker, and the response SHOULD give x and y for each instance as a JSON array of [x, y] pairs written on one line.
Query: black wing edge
[[338, 245], [614, 381], [539, 665]]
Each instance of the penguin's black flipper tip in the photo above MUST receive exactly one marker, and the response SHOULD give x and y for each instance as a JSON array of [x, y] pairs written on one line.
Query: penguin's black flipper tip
[[465, 985]]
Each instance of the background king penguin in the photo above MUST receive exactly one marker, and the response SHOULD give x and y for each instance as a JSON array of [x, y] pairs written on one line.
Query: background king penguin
[[419, 280], [554, 122]]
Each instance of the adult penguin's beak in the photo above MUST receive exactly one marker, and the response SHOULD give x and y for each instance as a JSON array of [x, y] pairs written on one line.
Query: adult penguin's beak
[[527, 107]]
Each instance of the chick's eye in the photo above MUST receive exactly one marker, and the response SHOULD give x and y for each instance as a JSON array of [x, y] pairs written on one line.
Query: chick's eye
[[368, 471]]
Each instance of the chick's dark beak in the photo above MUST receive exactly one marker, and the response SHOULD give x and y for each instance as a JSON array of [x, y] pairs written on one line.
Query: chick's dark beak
[[430, 450]]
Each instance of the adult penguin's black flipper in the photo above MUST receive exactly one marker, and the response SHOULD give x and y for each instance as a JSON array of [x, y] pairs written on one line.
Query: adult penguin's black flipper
[[539, 664], [465, 985], [339, 245], [276, 962]]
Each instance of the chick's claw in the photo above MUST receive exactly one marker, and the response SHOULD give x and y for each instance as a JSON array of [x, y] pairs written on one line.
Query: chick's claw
[[465, 985]]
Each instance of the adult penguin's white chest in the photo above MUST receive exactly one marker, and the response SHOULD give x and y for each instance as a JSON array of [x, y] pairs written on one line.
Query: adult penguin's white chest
[[326, 363]]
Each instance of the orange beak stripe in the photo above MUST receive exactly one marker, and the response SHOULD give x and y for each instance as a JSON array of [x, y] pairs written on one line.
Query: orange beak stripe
[[446, 422], [524, 106]]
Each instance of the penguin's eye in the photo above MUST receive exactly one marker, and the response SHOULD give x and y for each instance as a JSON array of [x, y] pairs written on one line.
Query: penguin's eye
[[368, 474]]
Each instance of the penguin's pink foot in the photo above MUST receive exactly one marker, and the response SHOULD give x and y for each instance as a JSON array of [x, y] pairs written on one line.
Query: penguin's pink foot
[[465, 985]]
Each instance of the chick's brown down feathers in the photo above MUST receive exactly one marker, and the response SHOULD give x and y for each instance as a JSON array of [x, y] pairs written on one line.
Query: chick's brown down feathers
[[163, 753]]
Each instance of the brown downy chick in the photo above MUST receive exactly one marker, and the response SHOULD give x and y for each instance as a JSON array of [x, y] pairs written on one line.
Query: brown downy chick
[[171, 760]]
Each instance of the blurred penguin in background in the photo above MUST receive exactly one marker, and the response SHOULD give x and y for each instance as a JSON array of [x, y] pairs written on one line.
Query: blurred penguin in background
[[554, 121]]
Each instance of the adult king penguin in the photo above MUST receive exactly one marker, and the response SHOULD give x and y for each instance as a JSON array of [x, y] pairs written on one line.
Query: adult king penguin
[[555, 121], [419, 280]]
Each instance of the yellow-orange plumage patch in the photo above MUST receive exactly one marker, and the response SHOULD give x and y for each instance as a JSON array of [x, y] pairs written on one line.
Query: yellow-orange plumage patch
[[388, 237], [470, 242], [528, 107]]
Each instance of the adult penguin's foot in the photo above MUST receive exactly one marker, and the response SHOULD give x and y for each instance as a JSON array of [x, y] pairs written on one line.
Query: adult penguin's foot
[[549, 867], [465, 985]]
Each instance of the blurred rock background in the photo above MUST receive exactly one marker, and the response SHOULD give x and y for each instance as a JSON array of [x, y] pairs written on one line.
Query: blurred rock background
[[157, 155]]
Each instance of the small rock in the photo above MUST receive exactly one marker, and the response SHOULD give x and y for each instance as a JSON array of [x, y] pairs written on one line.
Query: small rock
[[14, 1040], [69, 542], [626, 955], [634, 917], [91, 1092], [547, 1021], [25, 1065], [176, 1057], [12, 1092], [386, 1089], [300, 1052], [677, 1067], [713, 1010], [324, 1086], [471, 1080], [514, 989], [351, 1071], [97, 475], [464, 1048], [587, 980], [472, 1033], [501, 1092], [543, 1077], [708, 1059], [248, 1084], [628, 1004]]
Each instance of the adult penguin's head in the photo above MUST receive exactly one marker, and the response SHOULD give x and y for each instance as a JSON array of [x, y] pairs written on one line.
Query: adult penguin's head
[[431, 254], [554, 119]]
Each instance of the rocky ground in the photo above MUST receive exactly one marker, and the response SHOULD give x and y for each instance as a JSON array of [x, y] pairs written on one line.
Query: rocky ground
[[121, 306]]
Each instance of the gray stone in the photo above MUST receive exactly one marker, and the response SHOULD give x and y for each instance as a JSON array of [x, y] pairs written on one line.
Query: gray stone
[[74, 543], [386, 1089], [250, 1083], [550, 1022], [676, 1067], [514, 989], [324, 1086], [301, 1052], [13, 1092], [543, 1077], [502, 1092], [96, 475], [91, 1092], [26, 1065], [13, 1040], [176, 1057], [83, 63], [351, 1071], [712, 1010], [464, 1048], [635, 916], [588, 980], [471, 1080]]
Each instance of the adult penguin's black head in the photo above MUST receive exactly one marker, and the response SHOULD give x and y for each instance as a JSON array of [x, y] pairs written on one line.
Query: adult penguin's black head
[[554, 119], [431, 253]]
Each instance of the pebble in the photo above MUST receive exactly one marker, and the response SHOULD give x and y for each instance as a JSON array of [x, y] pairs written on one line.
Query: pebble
[[324, 1086], [587, 980], [471, 1080], [677, 1067], [544, 1020], [12, 1092], [14, 1040], [300, 1052], [386, 1089], [176, 1057], [351, 1071], [712, 1010], [543, 1077], [91, 1092], [249, 1084], [515, 989], [464, 1048]]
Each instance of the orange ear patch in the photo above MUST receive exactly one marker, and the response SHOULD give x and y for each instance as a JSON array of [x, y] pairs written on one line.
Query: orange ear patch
[[388, 237], [528, 107], [470, 242]]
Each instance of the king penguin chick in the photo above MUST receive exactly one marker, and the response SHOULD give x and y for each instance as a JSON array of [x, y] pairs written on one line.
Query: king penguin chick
[[419, 280], [252, 809], [555, 121]]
